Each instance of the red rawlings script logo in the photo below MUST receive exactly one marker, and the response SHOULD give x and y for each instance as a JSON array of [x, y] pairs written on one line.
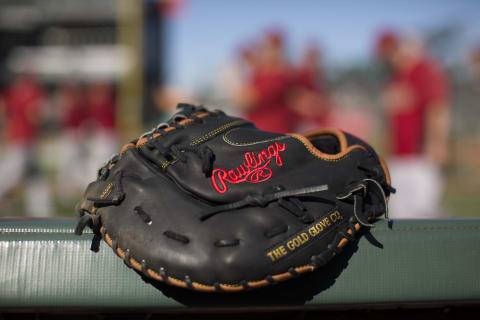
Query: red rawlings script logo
[[254, 169]]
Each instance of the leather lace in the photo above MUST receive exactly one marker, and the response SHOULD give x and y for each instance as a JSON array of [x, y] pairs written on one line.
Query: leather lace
[[286, 200]]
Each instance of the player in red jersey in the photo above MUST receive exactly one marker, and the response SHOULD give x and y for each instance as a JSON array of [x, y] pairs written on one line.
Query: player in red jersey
[[103, 140], [309, 98], [22, 109], [71, 162], [265, 99], [416, 99]]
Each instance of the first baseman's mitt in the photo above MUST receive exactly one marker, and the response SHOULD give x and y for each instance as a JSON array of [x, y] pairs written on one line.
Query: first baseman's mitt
[[209, 202]]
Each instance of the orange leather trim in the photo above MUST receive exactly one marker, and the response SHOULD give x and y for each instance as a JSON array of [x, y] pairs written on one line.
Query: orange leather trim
[[156, 135], [155, 275], [202, 115], [225, 287], [177, 282], [185, 121], [357, 226], [282, 276], [304, 269], [326, 156], [169, 129], [342, 243], [331, 131], [137, 266], [141, 142], [258, 284], [120, 253], [125, 147], [385, 169], [231, 288], [202, 287]]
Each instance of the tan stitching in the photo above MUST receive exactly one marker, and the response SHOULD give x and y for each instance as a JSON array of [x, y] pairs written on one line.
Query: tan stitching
[[334, 132], [324, 156], [224, 286], [106, 191], [225, 138], [165, 164], [215, 132]]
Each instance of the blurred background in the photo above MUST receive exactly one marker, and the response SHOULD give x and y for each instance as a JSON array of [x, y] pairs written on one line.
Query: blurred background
[[80, 78]]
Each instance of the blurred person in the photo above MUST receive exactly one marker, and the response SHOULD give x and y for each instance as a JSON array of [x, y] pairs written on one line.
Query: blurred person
[[416, 98], [102, 137], [23, 103], [233, 76], [309, 98], [264, 97], [166, 98], [475, 63], [73, 115]]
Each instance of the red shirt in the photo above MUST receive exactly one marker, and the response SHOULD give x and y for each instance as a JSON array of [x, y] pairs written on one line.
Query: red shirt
[[101, 107], [423, 86], [312, 95], [103, 114], [270, 112], [74, 107], [75, 116], [23, 102], [309, 78]]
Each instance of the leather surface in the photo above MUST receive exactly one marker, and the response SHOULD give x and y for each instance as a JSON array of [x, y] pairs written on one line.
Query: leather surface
[[175, 211], [151, 201], [43, 265]]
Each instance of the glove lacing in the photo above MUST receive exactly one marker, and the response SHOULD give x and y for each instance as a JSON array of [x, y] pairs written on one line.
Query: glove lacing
[[176, 152], [288, 199], [263, 200]]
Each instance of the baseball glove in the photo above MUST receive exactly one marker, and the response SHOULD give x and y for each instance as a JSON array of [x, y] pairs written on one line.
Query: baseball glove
[[209, 202]]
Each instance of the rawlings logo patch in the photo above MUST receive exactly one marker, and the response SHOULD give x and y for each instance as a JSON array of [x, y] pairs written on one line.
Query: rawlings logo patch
[[254, 169]]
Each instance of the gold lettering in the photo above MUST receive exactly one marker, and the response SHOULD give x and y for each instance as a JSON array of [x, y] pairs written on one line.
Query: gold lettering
[[298, 241], [327, 222], [277, 253], [336, 216], [304, 237], [290, 245], [270, 255]]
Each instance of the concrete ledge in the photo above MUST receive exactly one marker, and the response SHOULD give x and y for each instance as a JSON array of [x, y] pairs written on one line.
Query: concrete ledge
[[44, 266]]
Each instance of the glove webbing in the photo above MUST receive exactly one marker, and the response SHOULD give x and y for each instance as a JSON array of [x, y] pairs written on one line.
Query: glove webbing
[[261, 200]]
